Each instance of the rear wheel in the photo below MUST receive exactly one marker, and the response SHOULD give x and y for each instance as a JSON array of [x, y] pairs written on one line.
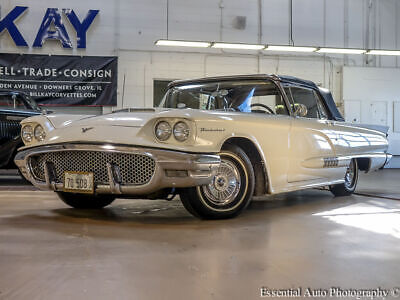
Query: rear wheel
[[230, 191], [350, 181], [85, 201]]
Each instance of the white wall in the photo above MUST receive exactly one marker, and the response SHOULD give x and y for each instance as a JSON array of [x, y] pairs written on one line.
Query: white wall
[[372, 95], [140, 68], [128, 28]]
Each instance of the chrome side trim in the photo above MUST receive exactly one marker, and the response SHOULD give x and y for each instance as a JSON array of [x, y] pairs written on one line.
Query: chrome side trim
[[201, 168]]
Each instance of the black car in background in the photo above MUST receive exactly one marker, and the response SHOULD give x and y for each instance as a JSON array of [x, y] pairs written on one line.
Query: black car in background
[[14, 107]]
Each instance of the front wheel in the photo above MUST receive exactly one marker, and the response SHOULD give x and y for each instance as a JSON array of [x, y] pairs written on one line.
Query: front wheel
[[230, 191], [350, 181], [85, 201]]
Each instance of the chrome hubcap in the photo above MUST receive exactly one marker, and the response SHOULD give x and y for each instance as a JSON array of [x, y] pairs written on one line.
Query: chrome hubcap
[[349, 177], [225, 186]]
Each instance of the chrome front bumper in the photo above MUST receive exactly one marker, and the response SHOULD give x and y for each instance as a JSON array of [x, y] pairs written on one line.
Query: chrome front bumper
[[173, 169]]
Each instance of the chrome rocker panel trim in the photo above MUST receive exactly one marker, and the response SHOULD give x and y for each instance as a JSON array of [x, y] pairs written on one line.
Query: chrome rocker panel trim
[[201, 168]]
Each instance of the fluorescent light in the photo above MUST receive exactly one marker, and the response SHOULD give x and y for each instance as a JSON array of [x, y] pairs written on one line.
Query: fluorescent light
[[341, 50], [182, 43], [238, 46], [290, 48], [243, 46], [384, 52]]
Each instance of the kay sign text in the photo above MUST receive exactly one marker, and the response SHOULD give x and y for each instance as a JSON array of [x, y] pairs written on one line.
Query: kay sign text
[[46, 32]]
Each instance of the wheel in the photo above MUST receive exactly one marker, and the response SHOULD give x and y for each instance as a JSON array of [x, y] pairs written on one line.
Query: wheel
[[85, 201], [230, 191], [350, 181]]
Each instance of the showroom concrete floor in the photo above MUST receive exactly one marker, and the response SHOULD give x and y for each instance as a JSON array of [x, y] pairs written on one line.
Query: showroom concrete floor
[[156, 250]]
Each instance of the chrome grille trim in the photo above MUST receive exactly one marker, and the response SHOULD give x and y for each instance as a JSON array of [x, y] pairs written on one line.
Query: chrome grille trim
[[201, 168], [135, 169]]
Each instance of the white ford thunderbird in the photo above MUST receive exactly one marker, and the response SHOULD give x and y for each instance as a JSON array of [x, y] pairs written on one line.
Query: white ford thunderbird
[[214, 141]]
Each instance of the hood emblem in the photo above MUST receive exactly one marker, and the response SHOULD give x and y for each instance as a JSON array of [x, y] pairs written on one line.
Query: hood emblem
[[84, 129]]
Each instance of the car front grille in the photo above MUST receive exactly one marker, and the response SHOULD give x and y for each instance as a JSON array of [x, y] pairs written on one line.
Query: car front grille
[[135, 169]]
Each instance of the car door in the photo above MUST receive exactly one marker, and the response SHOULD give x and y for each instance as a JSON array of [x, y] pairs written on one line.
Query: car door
[[271, 128], [312, 138]]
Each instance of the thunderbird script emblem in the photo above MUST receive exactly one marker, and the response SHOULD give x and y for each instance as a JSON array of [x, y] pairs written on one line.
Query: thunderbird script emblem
[[84, 129]]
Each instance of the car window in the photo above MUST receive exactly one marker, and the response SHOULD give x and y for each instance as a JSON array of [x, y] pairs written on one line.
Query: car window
[[250, 96], [266, 100], [321, 107], [308, 97], [29, 103], [8, 101]]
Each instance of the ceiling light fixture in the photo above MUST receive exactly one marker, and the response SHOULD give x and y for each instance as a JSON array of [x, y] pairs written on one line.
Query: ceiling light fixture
[[240, 46], [182, 43], [282, 48], [383, 52], [341, 50], [290, 48]]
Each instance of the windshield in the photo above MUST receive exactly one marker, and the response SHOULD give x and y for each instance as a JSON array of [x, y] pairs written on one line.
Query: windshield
[[32, 103], [244, 96]]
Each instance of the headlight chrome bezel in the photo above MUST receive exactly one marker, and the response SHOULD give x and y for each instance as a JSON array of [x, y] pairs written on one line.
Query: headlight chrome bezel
[[27, 133], [181, 131], [39, 133], [177, 129], [167, 131], [33, 132]]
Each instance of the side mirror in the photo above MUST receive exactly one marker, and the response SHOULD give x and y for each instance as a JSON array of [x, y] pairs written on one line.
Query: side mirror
[[300, 110]]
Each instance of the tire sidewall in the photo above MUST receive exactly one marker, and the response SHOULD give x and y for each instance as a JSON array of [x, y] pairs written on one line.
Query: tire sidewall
[[342, 189], [354, 185], [194, 201], [244, 179]]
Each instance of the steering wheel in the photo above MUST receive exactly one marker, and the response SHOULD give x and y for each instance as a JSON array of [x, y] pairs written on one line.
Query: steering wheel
[[263, 106]]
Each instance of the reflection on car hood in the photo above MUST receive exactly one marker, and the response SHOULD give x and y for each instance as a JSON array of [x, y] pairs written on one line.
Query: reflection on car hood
[[126, 118]]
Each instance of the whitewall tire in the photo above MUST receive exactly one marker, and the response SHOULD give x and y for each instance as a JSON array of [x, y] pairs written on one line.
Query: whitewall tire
[[350, 181], [230, 191]]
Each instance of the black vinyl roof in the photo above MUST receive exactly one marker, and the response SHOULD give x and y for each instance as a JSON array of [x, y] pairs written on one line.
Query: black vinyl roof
[[283, 78], [292, 79], [326, 94]]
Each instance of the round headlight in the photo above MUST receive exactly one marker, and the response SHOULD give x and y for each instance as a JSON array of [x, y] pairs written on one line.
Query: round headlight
[[163, 130], [181, 131], [27, 133], [39, 133]]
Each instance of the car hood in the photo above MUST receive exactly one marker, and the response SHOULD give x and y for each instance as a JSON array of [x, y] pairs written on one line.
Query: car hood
[[124, 118], [136, 127], [138, 117]]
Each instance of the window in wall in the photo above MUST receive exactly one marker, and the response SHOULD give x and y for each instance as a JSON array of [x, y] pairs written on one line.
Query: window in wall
[[159, 90]]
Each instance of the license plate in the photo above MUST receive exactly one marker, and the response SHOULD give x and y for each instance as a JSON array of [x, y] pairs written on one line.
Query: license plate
[[78, 182]]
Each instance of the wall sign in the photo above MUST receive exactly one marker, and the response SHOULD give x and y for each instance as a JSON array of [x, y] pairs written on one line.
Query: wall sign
[[51, 17], [60, 79]]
